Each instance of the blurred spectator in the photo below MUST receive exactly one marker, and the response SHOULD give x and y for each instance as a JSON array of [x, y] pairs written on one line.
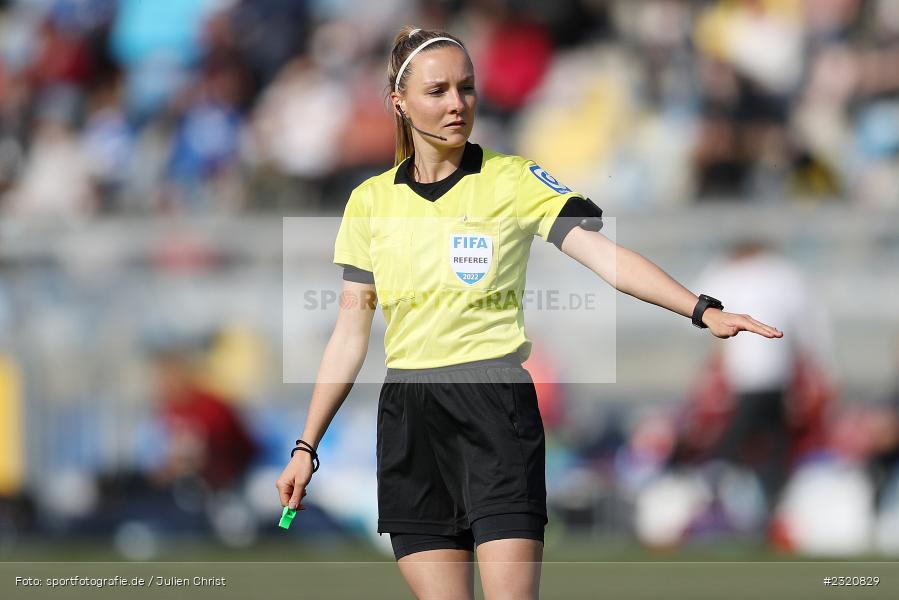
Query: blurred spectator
[[885, 438], [56, 180], [206, 436], [271, 32], [366, 141], [109, 144], [754, 279], [297, 122], [203, 166], [505, 79], [158, 59], [648, 104], [750, 63]]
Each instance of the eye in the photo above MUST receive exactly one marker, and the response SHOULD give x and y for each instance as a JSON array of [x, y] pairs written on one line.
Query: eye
[[435, 92]]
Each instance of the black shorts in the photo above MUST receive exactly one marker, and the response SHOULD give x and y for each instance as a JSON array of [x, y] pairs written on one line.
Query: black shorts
[[494, 527], [456, 444]]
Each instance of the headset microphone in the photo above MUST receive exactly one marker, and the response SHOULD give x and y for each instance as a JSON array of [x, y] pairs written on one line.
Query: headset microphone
[[409, 121]]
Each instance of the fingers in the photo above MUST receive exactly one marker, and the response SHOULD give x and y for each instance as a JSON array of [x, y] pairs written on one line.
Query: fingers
[[298, 493], [291, 494], [285, 490], [762, 329], [735, 323]]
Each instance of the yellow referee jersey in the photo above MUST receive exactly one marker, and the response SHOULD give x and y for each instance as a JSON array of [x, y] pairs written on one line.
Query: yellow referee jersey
[[449, 268]]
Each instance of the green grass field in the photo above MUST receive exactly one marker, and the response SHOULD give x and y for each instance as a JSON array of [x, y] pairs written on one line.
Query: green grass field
[[574, 567]]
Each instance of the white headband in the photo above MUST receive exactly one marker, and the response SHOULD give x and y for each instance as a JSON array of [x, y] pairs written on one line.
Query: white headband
[[399, 74]]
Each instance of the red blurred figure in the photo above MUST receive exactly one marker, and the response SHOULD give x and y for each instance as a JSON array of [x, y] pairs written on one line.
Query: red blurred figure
[[507, 78], [62, 58], [550, 392], [207, 436], [711, 402]]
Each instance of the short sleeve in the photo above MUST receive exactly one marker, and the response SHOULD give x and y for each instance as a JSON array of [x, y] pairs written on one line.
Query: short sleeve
[[351, 273], [540, 199], [354, 237]]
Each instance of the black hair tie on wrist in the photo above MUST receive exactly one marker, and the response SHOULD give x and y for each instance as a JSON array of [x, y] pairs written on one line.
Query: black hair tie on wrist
[[307, 447]]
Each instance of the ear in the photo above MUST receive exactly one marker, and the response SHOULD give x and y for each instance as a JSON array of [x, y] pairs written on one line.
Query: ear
[[396, 102]]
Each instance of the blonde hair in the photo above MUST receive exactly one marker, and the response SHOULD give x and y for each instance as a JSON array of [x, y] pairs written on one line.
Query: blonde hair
[[405, 43]]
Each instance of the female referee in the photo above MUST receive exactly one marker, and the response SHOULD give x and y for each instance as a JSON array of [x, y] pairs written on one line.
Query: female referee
[[460, 447]]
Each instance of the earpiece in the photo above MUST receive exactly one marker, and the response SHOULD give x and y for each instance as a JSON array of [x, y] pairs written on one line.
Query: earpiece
[[412, 125]]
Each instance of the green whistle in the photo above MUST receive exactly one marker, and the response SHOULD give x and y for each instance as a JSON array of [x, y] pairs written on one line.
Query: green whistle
[[287, 516]]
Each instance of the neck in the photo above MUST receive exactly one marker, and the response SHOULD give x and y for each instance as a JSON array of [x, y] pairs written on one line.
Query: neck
[[432, 164]]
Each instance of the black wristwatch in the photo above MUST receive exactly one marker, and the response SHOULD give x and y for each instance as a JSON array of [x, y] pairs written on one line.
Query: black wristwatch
[[704, 303]]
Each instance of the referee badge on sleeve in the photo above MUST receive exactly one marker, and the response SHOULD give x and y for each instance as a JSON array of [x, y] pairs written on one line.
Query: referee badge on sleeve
[[470, 256], [550, 181]]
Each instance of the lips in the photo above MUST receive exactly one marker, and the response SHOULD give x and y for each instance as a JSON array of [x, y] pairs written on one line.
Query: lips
[[456, 124]]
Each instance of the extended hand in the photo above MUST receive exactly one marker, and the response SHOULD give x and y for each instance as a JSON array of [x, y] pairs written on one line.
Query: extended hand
[[724, 324]]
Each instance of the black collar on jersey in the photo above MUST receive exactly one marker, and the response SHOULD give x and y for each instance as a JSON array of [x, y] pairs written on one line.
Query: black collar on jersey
[[472, 157]]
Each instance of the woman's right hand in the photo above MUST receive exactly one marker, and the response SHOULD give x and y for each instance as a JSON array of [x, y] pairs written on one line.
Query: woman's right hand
[[293, 480]]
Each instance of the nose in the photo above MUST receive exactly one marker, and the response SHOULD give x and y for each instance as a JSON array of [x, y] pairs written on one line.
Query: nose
[[457, 103]]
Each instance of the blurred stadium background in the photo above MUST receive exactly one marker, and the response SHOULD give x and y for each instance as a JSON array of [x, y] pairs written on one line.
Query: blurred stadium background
[[149, 151]]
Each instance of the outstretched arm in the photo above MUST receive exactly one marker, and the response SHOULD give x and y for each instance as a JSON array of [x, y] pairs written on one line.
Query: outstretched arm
[[639, 277]]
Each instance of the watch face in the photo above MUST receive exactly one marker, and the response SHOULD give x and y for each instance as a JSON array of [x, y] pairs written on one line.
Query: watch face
[[711, 302]]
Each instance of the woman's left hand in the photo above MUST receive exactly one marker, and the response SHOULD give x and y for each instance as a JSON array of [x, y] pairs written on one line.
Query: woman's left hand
[[724, 324]]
